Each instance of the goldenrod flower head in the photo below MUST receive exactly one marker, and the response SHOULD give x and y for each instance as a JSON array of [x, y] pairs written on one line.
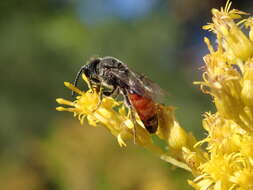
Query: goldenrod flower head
[[249, 24], [228, 70], [243, 178], [247, 89], [223, 135], [229, 79], [245, 142], [234, 40], [223, 172], [178, 137], [229, 171], [181, 145]]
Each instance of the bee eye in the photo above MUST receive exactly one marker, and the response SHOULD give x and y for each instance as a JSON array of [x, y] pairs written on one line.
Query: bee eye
[[95, 61], [87, 73]]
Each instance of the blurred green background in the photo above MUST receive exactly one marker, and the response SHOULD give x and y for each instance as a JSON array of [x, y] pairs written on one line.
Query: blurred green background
[[45, 42]]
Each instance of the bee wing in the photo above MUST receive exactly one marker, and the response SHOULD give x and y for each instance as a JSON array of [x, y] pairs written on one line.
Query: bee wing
[[151, 89], [141, 85]]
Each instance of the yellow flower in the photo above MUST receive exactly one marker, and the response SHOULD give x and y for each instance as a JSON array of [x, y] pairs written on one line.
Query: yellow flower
[[228, 79], [224, 172], [249, 24], [233, 39], [243, 178], [228, 69], [223, 135], [247, 89]]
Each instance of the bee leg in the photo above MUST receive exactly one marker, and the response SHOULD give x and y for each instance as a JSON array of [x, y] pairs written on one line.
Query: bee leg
[[131, 112], [97, 89], [103, 94], [135, 124], [99, 102], [114, 92]]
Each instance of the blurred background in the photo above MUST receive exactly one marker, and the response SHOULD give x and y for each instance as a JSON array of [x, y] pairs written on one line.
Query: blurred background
[[45, 42]]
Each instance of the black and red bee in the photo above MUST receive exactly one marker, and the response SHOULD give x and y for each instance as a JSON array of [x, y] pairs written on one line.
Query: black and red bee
[[140, 94]]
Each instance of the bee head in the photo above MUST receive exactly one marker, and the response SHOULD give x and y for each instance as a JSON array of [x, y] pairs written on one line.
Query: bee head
[[90, 71]]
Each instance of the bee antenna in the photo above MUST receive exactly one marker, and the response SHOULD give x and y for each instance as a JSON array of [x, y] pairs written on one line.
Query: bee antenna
[[77, 78]]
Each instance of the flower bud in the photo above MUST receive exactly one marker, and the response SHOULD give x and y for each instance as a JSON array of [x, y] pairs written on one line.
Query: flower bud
[[178, 137], [247, 86]]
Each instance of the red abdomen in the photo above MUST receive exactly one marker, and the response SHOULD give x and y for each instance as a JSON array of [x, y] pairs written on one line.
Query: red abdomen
[[147, 111]]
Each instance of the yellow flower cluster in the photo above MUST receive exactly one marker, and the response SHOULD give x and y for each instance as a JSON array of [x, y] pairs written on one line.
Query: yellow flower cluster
[[226, 161], [229, 80]]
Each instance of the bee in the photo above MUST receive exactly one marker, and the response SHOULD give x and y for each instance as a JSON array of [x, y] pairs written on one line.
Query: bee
[[113, 77]]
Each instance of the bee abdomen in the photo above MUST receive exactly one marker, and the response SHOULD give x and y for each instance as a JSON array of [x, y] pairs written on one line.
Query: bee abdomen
[[146, 109], [151, 124]]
